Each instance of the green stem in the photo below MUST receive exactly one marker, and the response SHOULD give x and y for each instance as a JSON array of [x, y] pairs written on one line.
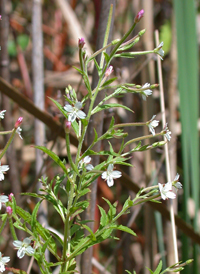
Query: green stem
[[106, 35], [146, 199], [69, 154], [103, 49], [12, 229], [5, 132], [142, 138], [8, 143], [3, 224], [129, 125]]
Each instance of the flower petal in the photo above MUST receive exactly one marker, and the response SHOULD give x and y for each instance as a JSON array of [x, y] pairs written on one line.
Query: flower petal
[[110, 181], [21, 252], [78, 105], [171, 195], [116, 174], [17, 244], [68, 108], [72, 117], [104, 175], [81, 114]]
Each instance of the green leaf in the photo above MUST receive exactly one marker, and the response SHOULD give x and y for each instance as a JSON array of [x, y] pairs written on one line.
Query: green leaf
[[108, 82], [108, 106], [128, 272], [112, 122], [79, 70], [104, 219], [95, 136], [4, 219], [159, 268], [55, 235], [54, 157], [83, 192], [124, 228], [82, 204], [112, 209], [90, 231], [149, 270], [97, 67], [111, 148], [34, 216], [107, 57]]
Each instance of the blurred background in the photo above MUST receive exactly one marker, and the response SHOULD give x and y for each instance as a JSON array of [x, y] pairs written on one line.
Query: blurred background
[[38, 51]]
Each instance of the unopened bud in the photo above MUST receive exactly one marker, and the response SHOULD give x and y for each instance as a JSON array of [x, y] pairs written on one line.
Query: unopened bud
[[0, 17], [114, 42], [19, 121], [10, 197], [189, 261], [68, 126], [9, 210], [139, 16], [142, 32], [178, 269], [81, 43], [109, 71]]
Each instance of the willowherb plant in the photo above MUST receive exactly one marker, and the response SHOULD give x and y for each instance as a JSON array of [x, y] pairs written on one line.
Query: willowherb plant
[[75, 181]]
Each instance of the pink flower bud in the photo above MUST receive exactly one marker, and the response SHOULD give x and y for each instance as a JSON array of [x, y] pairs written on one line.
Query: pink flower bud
[[109, 71], [0, 17], [19, 121], [81, 43], [9, 210], [139, 16], [68, 124], [10, 197]]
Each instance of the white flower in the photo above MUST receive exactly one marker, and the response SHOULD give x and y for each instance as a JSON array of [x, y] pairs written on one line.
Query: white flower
[[146, 92], [167, 133], [3, 261], [111, 174], [23, 248], [177, 184], [3, 200], [166, 191], [75, 112], [86, 162], [19, 130], [3, 169], [2, 113], [152, 124], [159, 50]]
